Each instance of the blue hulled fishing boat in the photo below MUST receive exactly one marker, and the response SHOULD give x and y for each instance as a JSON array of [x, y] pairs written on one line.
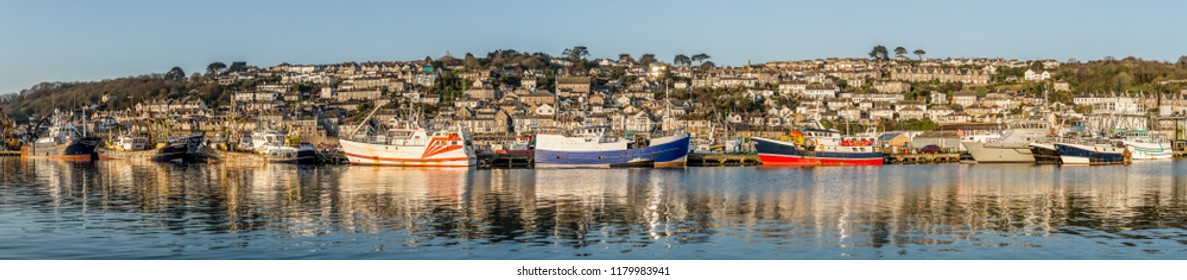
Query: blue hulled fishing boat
[[592, 148]]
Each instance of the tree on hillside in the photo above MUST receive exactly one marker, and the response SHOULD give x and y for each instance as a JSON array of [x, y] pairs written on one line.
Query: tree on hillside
[[532, 62], [215, 68], [681, 59], [449, 60], [1183, 61], [625, 57], [700, 57], [576, 53], [879, 53], [920, 53], [647, 59], [175, 74], [471, 62], [900, 51], [237, 66]]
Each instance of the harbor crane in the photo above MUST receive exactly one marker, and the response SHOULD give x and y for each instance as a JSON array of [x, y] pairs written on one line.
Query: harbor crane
[[8, 133]]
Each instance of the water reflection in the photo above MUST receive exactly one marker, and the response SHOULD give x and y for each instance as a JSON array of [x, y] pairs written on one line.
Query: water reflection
[[284, 211]]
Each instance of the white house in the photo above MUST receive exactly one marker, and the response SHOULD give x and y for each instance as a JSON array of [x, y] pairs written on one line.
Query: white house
[[964, 99], [792, 87], [1031, 75], [545, 110], [939, 98], [819, 91]]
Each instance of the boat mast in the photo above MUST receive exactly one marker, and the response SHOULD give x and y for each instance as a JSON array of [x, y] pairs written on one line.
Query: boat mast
[[356, 128], [667, 105], [232, 122], [85, 119]]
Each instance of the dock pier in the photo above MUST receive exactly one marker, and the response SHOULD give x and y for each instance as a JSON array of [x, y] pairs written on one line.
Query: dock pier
[[723, 160], [506, 161], [922, 158]]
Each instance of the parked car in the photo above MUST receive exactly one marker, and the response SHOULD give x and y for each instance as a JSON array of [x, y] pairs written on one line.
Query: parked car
[[930, 149]]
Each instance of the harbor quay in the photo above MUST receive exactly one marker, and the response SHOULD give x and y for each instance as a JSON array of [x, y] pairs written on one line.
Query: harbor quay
[[1013, 142]]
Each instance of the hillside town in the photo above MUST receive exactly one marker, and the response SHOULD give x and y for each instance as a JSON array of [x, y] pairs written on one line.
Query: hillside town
[[717, 106]]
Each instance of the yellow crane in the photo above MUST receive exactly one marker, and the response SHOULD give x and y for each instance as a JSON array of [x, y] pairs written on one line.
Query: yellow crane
[[8, 133]]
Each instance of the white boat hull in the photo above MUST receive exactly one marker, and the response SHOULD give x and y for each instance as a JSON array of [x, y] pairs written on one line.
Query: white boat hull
[[999, 153], [409, 156], [1075, 160], [1149, 151]]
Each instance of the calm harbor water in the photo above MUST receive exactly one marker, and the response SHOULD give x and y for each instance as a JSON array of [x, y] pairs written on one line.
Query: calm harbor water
[[119, 210]]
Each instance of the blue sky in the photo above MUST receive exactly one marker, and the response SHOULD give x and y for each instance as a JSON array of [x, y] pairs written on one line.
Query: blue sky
[[91, 40]]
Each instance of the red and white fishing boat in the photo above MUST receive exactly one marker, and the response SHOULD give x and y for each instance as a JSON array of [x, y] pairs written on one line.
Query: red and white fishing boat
[[407, 144]]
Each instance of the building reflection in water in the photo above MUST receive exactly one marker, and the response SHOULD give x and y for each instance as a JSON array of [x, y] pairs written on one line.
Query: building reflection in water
[[792, 209]]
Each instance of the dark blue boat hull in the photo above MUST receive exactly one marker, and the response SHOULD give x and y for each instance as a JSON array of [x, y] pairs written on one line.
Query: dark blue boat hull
[[1091, 156], [670, 152]]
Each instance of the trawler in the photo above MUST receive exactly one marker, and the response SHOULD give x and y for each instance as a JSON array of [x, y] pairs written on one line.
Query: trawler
[[406, 143], [1091, 152], [150, 142], [593, 147], [63, 140], [266, 146], [1144, 146], [1013, 145], [814, 146], [409, 145], [138, 147], [1045, 152]]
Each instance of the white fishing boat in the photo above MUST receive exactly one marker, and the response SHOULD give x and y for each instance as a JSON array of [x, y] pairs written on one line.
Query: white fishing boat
[[412, 147], [264, 146], [408, 144], [275, 147], [1012, 145], [1144, 146]]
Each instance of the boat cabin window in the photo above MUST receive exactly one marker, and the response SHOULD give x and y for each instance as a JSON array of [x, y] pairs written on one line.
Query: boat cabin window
[[399, 133]]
